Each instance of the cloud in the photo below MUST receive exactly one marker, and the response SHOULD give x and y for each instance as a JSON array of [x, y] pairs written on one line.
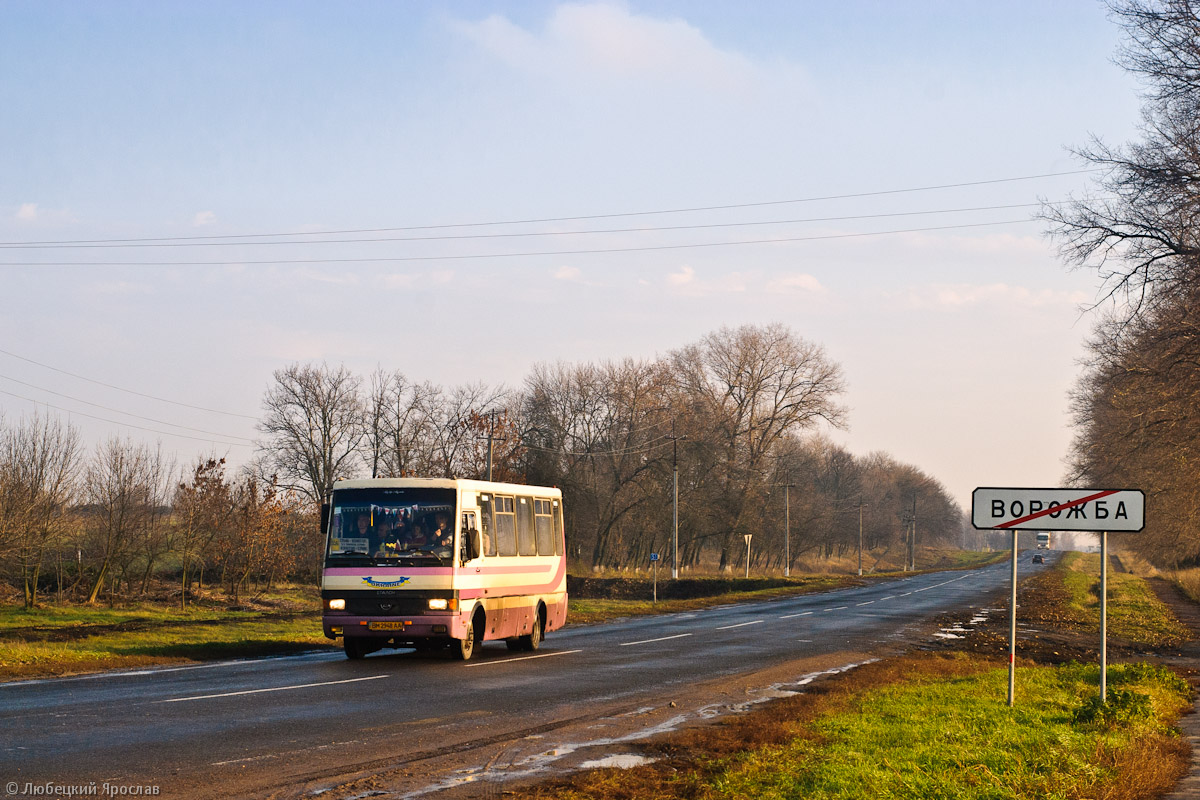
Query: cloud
[[799, 283], [28, 212], [568, 274], [203, 218], [968, 295], [684, 277], [607, 41]]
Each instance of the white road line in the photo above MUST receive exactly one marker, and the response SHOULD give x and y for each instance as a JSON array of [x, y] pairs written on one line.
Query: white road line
[[272, 689], [806, 641], [867, 603], [739, 625], [889, 597], [801, 614], [519, 658], [841, 608], [906, 594], [648, 641]]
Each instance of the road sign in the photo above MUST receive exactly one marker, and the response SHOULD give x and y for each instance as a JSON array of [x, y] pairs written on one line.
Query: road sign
[[1096, 510], [654, 556]]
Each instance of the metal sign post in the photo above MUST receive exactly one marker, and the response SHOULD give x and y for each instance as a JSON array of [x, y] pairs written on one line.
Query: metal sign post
[[1104, 616], [1094, 510], [1012, 626], [654, 564]]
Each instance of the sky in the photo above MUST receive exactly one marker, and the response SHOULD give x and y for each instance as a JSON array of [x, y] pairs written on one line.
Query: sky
[[868, 174]]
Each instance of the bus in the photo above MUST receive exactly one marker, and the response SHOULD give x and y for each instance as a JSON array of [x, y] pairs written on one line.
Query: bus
[[435, 563]]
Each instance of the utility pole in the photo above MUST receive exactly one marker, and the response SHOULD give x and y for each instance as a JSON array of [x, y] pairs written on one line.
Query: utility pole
[[912, 545], [860, 535], [674, 500], [787, 527], [491, 440]]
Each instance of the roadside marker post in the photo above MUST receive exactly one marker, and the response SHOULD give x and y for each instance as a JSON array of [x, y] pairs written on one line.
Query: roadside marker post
[[1092, 510], [654, 563], [748, 537]]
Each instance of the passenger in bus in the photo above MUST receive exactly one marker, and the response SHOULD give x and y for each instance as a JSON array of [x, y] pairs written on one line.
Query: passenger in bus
[[443, 529], [389, 542], [417, 538], [363, 530]]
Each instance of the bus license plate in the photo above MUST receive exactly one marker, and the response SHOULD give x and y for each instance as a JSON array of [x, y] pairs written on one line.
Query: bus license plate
[[385, 626]]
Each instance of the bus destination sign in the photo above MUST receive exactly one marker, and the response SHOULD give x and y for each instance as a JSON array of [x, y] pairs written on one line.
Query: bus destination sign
[[1096, 510]]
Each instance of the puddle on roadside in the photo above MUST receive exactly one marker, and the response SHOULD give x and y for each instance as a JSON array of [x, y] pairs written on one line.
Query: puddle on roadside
[[622, 761]]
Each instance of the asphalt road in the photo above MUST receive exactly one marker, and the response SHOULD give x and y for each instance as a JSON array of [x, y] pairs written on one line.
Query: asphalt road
[[297, 725]]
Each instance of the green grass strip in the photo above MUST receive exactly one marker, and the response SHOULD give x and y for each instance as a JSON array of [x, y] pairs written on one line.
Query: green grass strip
[[958, 739], [1134, 612]]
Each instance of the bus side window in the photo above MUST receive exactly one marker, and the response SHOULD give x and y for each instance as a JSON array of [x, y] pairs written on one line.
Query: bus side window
[[526, 540], [559, 544], [487, 528], [544, 525], [506, 526]]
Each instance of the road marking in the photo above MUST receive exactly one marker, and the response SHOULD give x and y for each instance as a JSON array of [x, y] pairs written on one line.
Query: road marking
[[272, 689], [806, 641], [520, 658], [801, 614], [889, 597], [867, 603], [906, 594], [739, 625], [841, 608], [648, 641]]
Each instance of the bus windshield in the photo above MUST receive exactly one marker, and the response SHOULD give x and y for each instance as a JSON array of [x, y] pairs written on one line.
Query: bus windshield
[[409, 525]]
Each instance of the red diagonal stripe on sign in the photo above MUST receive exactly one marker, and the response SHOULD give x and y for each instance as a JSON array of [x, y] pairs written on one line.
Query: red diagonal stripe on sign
[[1056, 509]]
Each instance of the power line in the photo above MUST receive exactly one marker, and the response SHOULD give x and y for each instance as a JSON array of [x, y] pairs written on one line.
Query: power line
[[522, 235], [125, 424], [127, 413], [477, 256], [695, 209], [129, 391]]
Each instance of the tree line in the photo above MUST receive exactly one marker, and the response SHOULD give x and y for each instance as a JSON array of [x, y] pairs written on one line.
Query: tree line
[[736, 416], [90, 526], [731, 423], [1135, 406]]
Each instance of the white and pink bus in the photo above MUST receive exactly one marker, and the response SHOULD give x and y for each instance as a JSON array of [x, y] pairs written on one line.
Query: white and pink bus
[[430, 563]]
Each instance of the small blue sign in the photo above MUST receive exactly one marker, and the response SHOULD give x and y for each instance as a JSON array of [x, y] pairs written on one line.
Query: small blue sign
[[654, 556]]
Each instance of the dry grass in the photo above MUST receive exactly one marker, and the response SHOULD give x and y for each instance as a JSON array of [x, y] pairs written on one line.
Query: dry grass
[[1188, 580]]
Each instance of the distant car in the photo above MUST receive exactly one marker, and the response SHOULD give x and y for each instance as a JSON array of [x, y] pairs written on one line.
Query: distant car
[[1039, 559]]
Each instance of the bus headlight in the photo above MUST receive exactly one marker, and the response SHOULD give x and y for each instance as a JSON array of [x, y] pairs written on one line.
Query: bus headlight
[[439, 604], [336, 605]]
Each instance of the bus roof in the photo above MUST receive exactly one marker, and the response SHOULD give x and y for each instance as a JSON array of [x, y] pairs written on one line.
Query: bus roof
[[447, 483]]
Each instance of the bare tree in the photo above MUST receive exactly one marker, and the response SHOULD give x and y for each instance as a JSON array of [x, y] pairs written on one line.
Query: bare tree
[[123, 488], [1140, 232], [755, 385], [203, 506], [39, 463], [314, 426]]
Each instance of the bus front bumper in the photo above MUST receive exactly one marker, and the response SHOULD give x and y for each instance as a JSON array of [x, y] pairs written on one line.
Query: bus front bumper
[[421, 626]]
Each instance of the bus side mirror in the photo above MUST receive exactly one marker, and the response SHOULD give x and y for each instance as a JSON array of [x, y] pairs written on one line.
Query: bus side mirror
[[324, 517], [473, 545]]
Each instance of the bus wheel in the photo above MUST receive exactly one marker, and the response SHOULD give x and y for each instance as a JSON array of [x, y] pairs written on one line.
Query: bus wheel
[[355, 647], [469, 643], [534, 640]]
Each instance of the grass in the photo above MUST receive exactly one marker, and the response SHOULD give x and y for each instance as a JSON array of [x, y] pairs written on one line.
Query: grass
[[68, 639], [1134, 613], [932, 736]]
